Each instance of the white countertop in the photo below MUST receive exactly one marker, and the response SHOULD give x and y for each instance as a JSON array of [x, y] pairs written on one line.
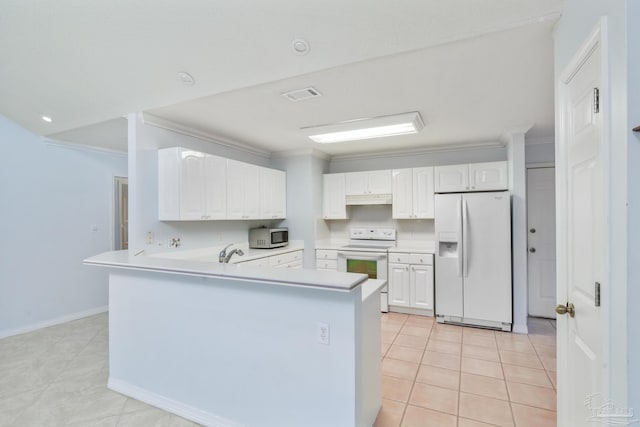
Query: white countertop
[[416, 247], [328, 280]]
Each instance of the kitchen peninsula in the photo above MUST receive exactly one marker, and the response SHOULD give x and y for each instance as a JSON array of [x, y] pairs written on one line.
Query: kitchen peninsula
[[229, 346]]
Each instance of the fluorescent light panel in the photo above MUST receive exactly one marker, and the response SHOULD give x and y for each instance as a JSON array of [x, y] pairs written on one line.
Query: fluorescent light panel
[[377, 127]]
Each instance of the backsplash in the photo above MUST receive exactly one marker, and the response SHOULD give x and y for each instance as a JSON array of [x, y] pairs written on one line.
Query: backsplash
[[380, 216]]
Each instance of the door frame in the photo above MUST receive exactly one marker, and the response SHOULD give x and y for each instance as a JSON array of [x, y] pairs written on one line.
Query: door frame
[[117, 210], [610, 386]]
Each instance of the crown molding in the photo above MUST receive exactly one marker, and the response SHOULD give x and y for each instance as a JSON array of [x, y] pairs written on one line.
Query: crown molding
[[83, 147], [159, 122], [313, 152], [441, 148]]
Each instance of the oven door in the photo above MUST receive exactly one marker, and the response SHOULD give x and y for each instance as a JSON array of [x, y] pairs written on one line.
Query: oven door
[[372, 264]]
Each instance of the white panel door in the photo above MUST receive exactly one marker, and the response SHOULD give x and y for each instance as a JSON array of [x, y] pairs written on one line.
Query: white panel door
[[423, 193], [333, 196], [379, 182], [448, 229], [192, 185], [356, 183], [486, 266], [422, 286], [402, 191], [488, 176], [580, 338], [451, 179], [399, 285], [215, 177], [541, 226]]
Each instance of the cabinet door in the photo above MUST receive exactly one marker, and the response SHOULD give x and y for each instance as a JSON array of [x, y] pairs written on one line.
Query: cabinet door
[[488, 176], [235, 190], [272, 193], [402, 194], [192, 185], [333, 196], [422, 286], [251, 191], [451, 179], [356, 183], [379, 182], [215, 176], [399, 286], [423, 193]]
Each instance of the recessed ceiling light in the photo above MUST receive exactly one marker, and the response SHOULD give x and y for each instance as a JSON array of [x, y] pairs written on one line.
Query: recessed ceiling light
[[376, 127], [47, 119], [186, 78], [300, 46]]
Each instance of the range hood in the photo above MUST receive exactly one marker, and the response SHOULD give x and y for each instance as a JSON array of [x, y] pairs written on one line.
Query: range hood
[[369, 199]]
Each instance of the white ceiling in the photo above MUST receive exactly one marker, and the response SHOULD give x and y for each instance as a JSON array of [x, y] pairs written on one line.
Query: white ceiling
[[469, 66]]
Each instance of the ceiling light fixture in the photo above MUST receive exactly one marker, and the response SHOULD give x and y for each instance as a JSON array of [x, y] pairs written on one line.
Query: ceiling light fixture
[[376, 127], [300, 46], [47, 119]]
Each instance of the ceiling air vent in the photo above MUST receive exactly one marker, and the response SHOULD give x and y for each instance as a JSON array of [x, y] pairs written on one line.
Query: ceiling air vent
[[302, 94]]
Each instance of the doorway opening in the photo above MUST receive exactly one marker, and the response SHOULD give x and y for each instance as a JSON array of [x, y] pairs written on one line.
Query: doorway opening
[[121, 214]]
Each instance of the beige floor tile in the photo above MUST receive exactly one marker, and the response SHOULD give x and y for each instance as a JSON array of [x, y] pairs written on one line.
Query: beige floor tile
[[101, 422], [482, 367], [11, 406], [399, 368], [418, 331], [448, 328], [528, 360], [390, 414], [388, 337], [515, 345], [485, 409], [421, 417], [531, 395], [407, 354], [444, 347], [548, 340], [391, 326], [549, 363], [552, 377], [545, 350], [384, 347], [411, 341], [464, 422], [480, 340], [449, 336], [477, 352], [484, 386], [441, 360], [479, 332], [396, 388], [436, 398], [423, 321], [520, 374], [396, 317], [440, 377], [527, 416]]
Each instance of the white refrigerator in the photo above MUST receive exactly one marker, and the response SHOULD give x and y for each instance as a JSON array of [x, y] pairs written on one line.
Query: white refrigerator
[[473, 259]]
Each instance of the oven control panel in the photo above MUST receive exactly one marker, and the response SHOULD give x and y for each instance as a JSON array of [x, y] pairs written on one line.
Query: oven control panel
[[373, 233]]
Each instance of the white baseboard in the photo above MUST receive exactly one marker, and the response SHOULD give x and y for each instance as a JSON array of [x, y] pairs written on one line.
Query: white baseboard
[[52, 322], [520, 329], [185, 411]]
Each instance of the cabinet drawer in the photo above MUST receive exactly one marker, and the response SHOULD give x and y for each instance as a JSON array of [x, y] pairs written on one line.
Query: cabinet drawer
[[260, 262], [399, 258], [292, 265], [326, 254], [287, 258], [424, 259], [327, 264]]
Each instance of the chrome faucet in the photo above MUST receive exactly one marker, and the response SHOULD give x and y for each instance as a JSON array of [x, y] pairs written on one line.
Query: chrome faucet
[[223, 253], [233, 251]]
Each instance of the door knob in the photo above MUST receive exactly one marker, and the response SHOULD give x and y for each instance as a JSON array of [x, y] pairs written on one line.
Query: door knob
[[532, 250], [532, 230], [564, 309]]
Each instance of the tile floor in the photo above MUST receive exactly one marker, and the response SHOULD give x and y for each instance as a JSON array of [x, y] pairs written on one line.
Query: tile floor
[[433, 375], [444, 375]]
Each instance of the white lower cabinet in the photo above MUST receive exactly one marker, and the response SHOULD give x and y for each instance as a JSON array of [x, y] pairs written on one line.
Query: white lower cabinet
[[286, 260], [411, 282], [326, 259]]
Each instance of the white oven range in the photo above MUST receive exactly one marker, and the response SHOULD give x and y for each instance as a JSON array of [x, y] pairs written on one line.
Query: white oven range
[[367, 254]]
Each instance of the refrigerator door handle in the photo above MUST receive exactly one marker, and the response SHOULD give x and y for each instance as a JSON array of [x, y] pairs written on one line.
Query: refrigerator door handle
[[458, 209], [465, 242]]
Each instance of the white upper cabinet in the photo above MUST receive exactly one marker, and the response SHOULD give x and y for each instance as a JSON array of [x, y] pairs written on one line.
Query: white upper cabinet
[[243, 186], [333, 196], [371, 182], [471, 177], [488, 176], [191, 185], [199, 186], [273, 192], [413, 192]]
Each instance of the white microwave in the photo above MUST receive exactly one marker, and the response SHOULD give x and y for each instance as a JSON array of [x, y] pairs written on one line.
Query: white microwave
[[267, 238]]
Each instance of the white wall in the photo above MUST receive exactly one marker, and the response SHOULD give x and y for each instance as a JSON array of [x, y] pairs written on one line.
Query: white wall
[[52, 197], [144, 141], [579, 18], [540, 151], [417, 159]]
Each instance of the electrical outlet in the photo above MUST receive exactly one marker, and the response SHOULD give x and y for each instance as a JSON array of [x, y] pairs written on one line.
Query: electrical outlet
[[149, 237], [174, 242], [322, 333]]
